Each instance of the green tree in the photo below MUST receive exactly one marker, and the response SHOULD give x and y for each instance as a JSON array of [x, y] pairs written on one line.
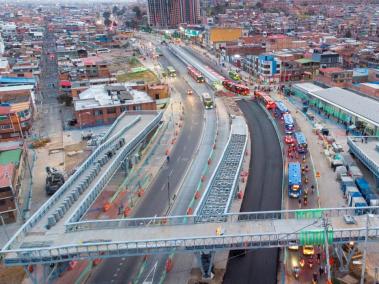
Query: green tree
[[107, 22], [138, 12], [106, 14], [115, 10]]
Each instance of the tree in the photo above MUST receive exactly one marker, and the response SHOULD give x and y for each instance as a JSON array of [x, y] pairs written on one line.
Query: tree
[[348, 34], [107, 22], [64, 98], [106, 14], [115, 10], [138, 12], [258, 5]]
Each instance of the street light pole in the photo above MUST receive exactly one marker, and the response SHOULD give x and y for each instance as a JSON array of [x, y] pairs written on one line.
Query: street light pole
[[325, 221], [364, 253], [168, 192]]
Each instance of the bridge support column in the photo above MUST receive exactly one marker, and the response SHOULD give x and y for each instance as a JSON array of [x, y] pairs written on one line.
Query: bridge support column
[[344, 258], [206, 263], [125, 166]]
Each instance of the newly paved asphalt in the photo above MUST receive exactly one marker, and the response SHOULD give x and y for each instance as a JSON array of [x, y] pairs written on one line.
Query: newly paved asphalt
[[263, 192], [156, 200]]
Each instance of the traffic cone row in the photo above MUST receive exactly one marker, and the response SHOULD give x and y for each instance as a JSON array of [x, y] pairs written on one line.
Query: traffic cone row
[[169, 264], [197, 195], [127, 211], [106, 206]]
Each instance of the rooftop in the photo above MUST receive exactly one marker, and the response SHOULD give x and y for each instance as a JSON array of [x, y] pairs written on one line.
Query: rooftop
[[304, 60], [6, 175], [16, 88], [108, 95], [363, 107], [10, 157], [332, 70], [371, 85]]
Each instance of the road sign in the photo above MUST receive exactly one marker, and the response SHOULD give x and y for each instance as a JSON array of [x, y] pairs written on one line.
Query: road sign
[[315, 237], [308, 214]]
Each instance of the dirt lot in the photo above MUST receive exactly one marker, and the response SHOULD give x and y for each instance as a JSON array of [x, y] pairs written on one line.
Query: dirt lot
[[147, 76], [75, 155], [11, 275]]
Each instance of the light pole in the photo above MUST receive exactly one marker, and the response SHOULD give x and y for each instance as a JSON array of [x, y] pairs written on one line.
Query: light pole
[[168, 192], [364, 252], [325, 223]]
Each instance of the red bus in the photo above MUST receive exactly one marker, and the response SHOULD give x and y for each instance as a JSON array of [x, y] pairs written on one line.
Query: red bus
[[195, 74], [236, 88], [266, 99]]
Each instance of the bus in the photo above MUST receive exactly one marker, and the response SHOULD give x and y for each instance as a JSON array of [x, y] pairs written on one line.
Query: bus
[[289, 125], [266, 99], [234, 75], [236, 88], [195, 74], [280, 109], [301, 143], [171, 71], [207, 100], [294, 179]]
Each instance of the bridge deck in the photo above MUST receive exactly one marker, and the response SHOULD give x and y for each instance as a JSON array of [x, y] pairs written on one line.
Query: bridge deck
[[91, 173], [191, 60], [183, 238], [366, 151], [193, 231], [128, 135]]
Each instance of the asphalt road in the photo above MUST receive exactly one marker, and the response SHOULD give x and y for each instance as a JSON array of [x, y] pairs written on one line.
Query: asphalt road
[[156, 200], [263, 192]]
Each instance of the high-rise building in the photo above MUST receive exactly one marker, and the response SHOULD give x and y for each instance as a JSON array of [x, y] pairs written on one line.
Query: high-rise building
[[171, 13]]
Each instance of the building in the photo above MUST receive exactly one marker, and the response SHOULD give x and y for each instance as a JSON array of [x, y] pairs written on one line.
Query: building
[[326, 59], [265, 66], [102, 104], [335, 77], [16, 111], [344, 106], [219, 37], [12, 166], [171, 13]]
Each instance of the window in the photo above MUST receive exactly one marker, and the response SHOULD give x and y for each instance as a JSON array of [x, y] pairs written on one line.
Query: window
[[111, 110], [98, 112], [157, 96], [5, 126]]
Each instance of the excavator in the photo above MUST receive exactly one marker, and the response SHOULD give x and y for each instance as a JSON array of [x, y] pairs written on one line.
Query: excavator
[[54, 180]]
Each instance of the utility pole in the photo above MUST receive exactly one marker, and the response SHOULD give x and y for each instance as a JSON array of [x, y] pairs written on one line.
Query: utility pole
[[168, 192], [364, 253], [325, 224]]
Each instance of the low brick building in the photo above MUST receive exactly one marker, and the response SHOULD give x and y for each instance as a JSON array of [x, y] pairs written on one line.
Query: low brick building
[[102, 104], [335, 77]]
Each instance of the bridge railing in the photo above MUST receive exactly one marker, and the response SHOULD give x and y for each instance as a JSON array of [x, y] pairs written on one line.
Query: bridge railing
[[352, 142], [230, 217], [36, 217], [116, 163], [106, 248]]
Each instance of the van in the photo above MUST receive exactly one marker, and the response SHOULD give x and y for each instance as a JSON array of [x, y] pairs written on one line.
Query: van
[[103, 50]]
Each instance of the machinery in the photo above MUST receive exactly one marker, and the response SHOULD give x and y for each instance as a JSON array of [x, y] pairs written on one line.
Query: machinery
[[54, 180]]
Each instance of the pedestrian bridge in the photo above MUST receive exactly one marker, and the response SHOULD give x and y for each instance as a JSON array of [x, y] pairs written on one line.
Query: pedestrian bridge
[[161, 235]]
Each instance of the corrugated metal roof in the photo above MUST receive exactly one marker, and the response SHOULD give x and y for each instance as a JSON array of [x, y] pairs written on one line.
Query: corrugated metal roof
[[18, 80], [356, 104], [10, 157]]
